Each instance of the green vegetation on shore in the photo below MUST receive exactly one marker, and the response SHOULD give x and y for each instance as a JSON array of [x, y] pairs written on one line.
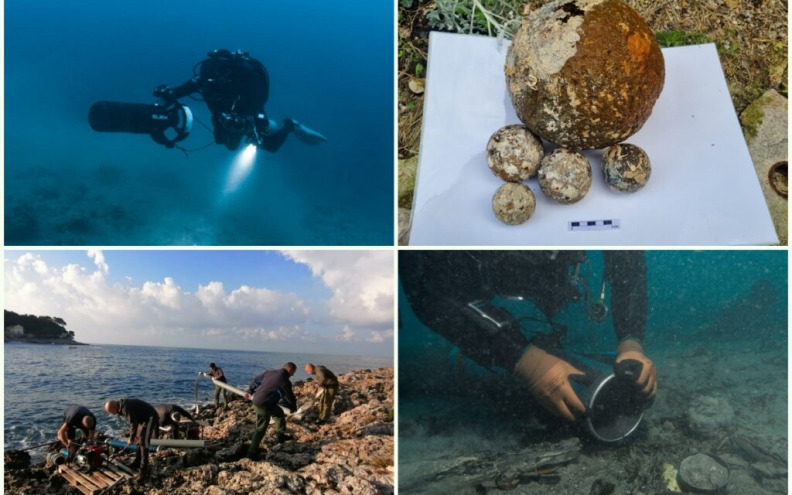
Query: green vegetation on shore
[[31, 328]]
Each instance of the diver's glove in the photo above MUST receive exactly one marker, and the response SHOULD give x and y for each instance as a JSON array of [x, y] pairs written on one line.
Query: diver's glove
[[548, 381], [647, 377]]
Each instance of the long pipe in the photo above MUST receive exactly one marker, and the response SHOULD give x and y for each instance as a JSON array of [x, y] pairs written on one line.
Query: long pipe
[[167, 442], [224, 385]]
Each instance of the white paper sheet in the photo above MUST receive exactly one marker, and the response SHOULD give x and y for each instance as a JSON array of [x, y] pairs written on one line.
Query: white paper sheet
[[703, 190]]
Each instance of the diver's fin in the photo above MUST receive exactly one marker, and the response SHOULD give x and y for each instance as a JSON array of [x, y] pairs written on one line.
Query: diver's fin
[[307, 135]]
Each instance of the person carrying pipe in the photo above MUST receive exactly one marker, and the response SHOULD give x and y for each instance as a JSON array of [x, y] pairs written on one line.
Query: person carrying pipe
[[265, 391], [217, 374], [328, 382], [452, 293], [76, 418], [169, 415], [144, 421]]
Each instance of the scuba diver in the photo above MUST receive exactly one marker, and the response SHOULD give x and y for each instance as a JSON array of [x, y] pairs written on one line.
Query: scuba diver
[[233, 85], [453, 293]]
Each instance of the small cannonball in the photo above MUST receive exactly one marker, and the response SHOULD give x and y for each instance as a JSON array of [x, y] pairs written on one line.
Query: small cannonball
[[514, 153], [626, 168], [513, 203], [565, 176]]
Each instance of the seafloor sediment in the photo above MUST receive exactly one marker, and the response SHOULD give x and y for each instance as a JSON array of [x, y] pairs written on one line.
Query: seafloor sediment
[[729, 400], [353, 453]]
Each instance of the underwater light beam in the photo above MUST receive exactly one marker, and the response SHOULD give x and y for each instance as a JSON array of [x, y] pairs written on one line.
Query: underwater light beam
[[240, 168]]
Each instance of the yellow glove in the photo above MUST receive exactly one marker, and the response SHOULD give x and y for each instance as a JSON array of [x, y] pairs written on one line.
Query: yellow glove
[[548, 381], [647, 380]]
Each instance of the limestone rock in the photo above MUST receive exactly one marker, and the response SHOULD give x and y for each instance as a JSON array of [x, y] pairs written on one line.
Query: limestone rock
[[765, 126], [353, 453]]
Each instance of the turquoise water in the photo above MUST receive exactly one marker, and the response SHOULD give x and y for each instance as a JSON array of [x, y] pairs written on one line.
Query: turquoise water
[[41, 381], [688, 292], [330, 67], [717, 332]]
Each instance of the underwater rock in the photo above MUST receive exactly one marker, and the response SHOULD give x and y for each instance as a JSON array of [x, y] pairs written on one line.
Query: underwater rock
[[702, 473], [353, 453], [565, 176], [514, 153], [513, 203], [584, 74], [708, 416]]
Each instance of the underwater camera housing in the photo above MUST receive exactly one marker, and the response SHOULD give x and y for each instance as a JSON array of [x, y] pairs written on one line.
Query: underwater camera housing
[[167, 125]]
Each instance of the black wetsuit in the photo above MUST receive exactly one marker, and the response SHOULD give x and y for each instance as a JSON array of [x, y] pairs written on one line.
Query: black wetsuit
[[440, 285], [164, 412], [235, 84], [73, 418]]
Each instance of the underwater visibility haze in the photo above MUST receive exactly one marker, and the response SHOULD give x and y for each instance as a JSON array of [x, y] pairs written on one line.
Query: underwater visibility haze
[[717, 332], [330, 67]]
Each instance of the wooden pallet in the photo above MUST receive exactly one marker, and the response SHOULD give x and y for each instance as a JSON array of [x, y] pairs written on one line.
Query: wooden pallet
[[96, 481]]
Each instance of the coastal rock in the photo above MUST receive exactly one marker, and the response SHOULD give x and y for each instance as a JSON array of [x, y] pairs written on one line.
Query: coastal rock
[[352, 453]]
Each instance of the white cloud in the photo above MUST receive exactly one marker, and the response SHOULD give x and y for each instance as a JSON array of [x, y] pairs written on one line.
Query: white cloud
[[357, 311], [99, 260], [361, 282]]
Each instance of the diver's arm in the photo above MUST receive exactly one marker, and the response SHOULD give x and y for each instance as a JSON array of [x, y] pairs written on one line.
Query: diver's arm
[[170, 95], [440, 287], [626, 272], [275, 134]]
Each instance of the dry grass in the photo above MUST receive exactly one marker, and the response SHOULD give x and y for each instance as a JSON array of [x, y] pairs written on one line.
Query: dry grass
[[751, 36]]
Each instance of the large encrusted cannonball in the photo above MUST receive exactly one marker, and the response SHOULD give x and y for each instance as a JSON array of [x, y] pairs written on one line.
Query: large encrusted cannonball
[[565, 176], [626, 168], [513, 203], [584, 74], [514, 153]]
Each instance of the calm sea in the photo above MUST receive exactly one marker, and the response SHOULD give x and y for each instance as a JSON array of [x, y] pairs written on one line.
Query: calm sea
[[41, 381]]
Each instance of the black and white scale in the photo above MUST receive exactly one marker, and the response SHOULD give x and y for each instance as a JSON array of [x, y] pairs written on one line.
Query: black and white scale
[[583, 225]]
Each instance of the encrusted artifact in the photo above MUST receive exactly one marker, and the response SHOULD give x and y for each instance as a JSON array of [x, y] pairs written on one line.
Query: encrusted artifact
[[513, 203], [565, 176], [514, 153], [626, 168], [584, 74]]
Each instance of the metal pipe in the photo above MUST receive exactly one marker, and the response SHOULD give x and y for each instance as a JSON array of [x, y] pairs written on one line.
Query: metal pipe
[[167, 442]]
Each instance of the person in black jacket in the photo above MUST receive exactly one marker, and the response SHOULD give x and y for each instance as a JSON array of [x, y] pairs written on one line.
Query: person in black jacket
[[143, 420], [76, 418], [266, 391], [170, 415], [452, 293]]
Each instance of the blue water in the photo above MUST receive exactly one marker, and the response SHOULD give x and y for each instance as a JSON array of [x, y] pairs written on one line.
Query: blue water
[[330, 67], [41, 381]]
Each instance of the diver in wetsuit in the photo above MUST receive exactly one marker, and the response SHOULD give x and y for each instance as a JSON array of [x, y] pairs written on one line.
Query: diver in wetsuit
[[235, 87], [451, 292]]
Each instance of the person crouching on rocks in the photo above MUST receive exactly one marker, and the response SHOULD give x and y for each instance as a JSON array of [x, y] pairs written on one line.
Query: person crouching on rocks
[[170, 415], [76, 418], [266, 390], [144, 421], [328, 382]]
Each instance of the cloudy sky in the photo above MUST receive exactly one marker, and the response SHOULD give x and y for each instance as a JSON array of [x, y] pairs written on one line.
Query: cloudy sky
[[336, 302]]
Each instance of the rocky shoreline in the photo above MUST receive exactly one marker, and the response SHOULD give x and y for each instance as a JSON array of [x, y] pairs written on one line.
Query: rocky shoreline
[[352, 453], [33, 340]]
